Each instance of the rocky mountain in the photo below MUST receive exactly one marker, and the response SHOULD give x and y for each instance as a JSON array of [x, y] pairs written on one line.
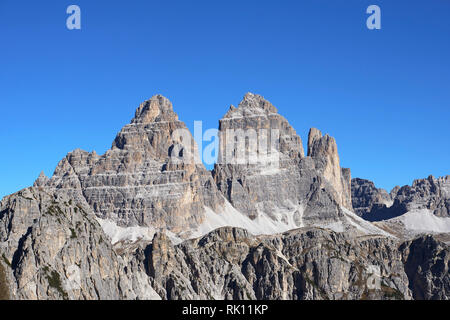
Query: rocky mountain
[[146, 220], [149, 177], [52, 247], [281, 185], [152, 178], [406, 211], [376, 204], [323, 150], [366, 196], [430, 193], [307, 263]]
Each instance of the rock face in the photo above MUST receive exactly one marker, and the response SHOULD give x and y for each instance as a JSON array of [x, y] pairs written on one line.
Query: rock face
[[149, 177], [307, 263], [52, 247], [4, 287], [365, 196], [259, 152], [323, 150], [427, 266], [55, 241], [286, 186], [430, 193], [375, 204]]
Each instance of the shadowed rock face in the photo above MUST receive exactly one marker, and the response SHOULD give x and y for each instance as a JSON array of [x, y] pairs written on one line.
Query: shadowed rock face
[[137, 181], [365, 196], [309, 188], [309, 263], [430, 193], [427, 266], [53, 248], [376, 204], [4, 286]]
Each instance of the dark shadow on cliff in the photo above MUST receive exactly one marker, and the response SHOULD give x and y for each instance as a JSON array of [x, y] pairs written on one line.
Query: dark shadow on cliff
[[381, 212]]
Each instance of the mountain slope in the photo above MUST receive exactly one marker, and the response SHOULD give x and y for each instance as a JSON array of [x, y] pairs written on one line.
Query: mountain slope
[[423, 207], [306, 263], [54, 248], [149, 177], [146, 220]]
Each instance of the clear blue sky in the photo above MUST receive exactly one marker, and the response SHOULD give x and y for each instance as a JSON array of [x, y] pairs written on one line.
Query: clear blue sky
[[384, 94]]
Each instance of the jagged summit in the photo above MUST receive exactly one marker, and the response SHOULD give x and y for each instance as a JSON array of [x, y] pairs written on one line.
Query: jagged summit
[[319, 144], [251, 105], [256, 113], [298, 190], [138, 181], [157, 109], [111, 220], [41, 180], [152, 128], [429, 196], [323, 149]]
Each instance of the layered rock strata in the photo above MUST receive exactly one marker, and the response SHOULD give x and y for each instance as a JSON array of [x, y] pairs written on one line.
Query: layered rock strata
[[150, 176], [278, 181]]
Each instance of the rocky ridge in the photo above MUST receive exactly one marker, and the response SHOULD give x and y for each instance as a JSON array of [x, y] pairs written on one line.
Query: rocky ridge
[[366, 196], [52, 247], [55, 241], [306, 263], [299, 190], [149, 177], [374, 204]]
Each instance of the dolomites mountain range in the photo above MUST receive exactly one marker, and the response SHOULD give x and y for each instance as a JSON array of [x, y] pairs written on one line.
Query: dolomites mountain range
[[146, 220]]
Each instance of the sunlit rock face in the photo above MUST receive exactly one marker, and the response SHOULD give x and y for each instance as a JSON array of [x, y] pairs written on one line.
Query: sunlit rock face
[[146, 220], [52, 247], [323, 149], [149, 177], [284, 185], [152, 175]]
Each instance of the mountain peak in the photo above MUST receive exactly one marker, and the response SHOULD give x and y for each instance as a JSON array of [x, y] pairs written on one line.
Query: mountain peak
[[320, 145], [251, 105], [256, 101], [41, 180], [158, 108]]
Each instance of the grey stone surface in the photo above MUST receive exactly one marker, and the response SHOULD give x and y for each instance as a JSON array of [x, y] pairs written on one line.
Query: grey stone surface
[[427, 267], [149, 177], [45, 237], [52, 247], [376, 204], [309, 187], [308, 263], [323, 149], [365, 196], [430, 193]]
